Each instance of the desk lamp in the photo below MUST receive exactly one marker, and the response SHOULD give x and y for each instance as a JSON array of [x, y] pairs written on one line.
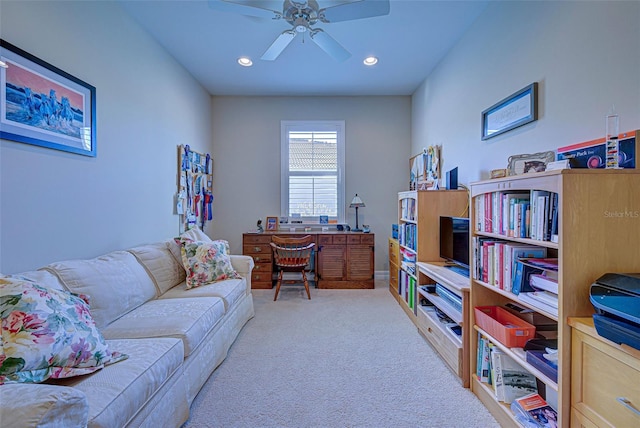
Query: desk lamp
[[356, 203]]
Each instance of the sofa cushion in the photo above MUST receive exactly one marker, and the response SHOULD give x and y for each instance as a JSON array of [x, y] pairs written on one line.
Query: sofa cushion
[[206, 262], [160, 264], [195, 234], [117, 393], [230, 291], [42, 277], [43, 406], [115, 283], [47, 333], [188, 319]]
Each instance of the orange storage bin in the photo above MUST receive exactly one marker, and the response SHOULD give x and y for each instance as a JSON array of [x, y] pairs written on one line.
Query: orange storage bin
[[502, 325]]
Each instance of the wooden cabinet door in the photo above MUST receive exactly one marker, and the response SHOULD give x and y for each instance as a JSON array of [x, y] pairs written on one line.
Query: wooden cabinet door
[[332, 262], [359, 262]]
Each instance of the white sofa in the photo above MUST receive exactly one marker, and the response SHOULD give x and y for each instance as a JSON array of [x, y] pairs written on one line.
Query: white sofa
[[174, 337]]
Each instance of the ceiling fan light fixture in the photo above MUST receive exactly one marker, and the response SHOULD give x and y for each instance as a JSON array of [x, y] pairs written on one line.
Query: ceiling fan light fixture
[[370, 60], [245, 61]]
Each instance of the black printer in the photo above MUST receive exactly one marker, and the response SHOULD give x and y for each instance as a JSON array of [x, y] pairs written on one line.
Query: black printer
[[616, 298]]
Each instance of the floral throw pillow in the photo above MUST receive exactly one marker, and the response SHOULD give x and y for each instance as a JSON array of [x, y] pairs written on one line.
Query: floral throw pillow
[[47, 333], [206, 262]]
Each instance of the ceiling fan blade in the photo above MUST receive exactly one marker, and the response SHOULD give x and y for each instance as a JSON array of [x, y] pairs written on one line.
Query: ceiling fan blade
[[330, 45], [262, 9], [358, 9], [279, 45]]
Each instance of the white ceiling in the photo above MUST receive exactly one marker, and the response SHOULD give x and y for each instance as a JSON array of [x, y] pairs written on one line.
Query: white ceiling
[[409, 42]]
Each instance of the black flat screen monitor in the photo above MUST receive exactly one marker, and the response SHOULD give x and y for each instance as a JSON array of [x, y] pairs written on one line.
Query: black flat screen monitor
[[454, 240]]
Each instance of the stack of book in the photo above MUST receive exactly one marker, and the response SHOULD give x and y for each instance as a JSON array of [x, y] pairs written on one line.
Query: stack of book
[[536, 283], [533, 411]]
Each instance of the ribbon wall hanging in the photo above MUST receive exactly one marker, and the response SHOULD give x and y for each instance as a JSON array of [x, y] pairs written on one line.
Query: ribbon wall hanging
[[195, 188]]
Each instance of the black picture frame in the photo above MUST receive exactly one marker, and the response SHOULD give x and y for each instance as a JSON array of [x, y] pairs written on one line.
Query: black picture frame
[[512, 112], [44, 106]]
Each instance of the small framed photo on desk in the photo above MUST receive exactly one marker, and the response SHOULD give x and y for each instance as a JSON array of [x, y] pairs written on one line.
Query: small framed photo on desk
[[272, 223]]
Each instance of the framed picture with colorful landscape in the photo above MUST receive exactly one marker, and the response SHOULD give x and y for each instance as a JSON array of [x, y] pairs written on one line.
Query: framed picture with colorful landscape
[[43, 105]]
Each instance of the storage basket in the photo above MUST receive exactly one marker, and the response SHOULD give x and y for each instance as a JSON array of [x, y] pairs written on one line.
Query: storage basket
[[502, 325]]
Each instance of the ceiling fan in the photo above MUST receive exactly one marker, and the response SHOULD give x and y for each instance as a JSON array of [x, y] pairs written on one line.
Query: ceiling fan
[[303, 15]]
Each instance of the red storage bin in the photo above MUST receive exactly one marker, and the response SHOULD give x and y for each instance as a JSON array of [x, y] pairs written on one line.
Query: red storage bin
[[502, 325]]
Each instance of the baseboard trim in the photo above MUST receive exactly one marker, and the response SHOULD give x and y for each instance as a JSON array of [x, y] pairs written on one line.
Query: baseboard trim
[[381, 274]]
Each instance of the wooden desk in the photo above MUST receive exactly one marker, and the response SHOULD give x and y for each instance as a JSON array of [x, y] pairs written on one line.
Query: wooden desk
[[342, 259]]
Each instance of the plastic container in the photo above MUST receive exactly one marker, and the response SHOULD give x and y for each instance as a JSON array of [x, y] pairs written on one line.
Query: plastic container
[[537, 360], [502, 325]]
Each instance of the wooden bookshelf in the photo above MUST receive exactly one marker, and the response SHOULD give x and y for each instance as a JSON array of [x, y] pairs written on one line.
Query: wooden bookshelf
[[419, 212], [598, 232]]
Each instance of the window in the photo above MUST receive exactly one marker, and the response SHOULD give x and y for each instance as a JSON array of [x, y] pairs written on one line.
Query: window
[[312, 182]]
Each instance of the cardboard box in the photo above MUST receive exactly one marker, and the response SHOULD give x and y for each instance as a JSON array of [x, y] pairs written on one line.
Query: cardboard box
[[593, 154]]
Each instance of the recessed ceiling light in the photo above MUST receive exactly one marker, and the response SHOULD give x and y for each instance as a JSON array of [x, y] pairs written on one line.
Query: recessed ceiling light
[[370, 60], [245, 61]]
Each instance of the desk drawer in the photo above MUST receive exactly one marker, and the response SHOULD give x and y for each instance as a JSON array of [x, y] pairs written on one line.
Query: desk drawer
[[256, 249], [393, 251], [360, 239], [261, 257], [331, 239], [608, 376], [262, 269], [256, 239], [434, 331]]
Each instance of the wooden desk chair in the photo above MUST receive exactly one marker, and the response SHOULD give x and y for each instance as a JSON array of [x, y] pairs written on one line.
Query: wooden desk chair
[[292, 255]]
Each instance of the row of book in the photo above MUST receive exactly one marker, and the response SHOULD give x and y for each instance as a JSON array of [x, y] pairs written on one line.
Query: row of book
[[513, 384], [494, 260], [525, 214], [408, 209], [407, 233], [407, 287], [508, 379]]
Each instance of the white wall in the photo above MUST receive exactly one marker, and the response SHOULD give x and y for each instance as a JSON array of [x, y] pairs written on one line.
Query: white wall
[[56, 205], [585, 56], [246, 151]]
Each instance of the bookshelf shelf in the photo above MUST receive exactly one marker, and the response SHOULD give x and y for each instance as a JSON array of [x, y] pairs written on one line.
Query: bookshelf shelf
[[512, 297], [444, 306], [517, 357], [547, 244], [588, 241]]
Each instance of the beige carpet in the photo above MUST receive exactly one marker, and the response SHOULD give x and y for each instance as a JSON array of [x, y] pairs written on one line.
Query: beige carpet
[[345, 358]]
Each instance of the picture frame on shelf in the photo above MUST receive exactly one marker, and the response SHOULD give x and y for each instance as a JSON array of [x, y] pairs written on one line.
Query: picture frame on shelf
[[272, 223], [512, 112], [45, 106], [527, 163]]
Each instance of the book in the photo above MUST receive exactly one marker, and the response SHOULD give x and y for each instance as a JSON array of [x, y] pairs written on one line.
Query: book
[[542, 263], [540, 281], [545, 297], [538, 212], [533, 411], [496, 366], [521, 277], [486, 361], [514, 251], [517, 381], [536, 303]]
